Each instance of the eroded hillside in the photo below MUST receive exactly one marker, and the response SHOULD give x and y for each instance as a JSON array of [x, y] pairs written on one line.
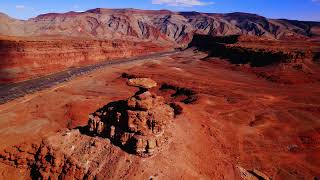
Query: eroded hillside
[[164, 26], [25, 58]]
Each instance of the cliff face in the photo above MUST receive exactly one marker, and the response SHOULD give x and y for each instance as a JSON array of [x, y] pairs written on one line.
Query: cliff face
[[23, 59], [287, 62], [162, 26]]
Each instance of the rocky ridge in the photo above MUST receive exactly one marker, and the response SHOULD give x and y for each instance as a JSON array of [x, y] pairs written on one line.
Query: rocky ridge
[[160, 25]]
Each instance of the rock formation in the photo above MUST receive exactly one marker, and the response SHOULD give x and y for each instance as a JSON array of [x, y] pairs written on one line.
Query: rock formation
[[163, 26], [136, 124], [26, 58], [286, 62], [251, 175]]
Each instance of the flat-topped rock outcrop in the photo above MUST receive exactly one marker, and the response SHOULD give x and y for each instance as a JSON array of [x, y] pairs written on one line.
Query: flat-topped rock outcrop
[[145, 83], [137, 124]]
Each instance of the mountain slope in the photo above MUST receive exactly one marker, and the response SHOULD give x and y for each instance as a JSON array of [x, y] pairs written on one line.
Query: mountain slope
[[162, 25]]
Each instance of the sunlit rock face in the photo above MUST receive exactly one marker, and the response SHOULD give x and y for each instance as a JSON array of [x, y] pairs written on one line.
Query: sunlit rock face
[[137, 124], [27, 58]]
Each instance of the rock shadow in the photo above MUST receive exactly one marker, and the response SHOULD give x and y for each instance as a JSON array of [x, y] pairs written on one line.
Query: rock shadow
[[222, 47], [182, 94], [107, 119], [138, 124]]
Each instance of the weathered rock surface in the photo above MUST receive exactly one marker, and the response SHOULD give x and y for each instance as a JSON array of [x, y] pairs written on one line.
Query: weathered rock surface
[[67, 154], [286, 62], [25, 58], [20, 156], [251, 175], [142, 83], [163, 26], [137, 124]]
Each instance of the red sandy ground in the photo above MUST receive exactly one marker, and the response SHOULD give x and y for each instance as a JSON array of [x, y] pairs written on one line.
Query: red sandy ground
[[239, 119]]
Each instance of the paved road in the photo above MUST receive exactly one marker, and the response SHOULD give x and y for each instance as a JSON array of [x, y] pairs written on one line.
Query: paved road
[[12, 91]]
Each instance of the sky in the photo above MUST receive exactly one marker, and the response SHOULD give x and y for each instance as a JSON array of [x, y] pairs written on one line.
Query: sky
[[289, 9]]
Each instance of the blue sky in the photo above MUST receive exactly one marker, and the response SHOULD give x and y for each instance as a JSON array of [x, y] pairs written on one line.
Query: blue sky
[[290, 9]]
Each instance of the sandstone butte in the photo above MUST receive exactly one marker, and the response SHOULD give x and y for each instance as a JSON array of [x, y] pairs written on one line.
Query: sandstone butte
[[137, 124]]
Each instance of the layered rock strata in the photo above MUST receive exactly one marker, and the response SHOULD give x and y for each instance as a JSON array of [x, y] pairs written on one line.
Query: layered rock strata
[[136, 124], [163, 26], [26, 58]]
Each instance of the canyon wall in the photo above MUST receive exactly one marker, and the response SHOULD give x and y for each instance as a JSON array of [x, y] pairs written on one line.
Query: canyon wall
[[287, 62], [255, 52], [22, 58]]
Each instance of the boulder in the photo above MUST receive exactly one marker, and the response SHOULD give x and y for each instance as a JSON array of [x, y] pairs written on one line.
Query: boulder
[[145, 83], [246, 175], [261, 174], [252, 175]]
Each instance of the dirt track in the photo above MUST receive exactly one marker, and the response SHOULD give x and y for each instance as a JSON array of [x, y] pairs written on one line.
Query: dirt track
[[12, 91]]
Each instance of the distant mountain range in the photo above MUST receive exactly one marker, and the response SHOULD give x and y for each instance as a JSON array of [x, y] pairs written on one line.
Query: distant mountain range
[[156, 25]]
